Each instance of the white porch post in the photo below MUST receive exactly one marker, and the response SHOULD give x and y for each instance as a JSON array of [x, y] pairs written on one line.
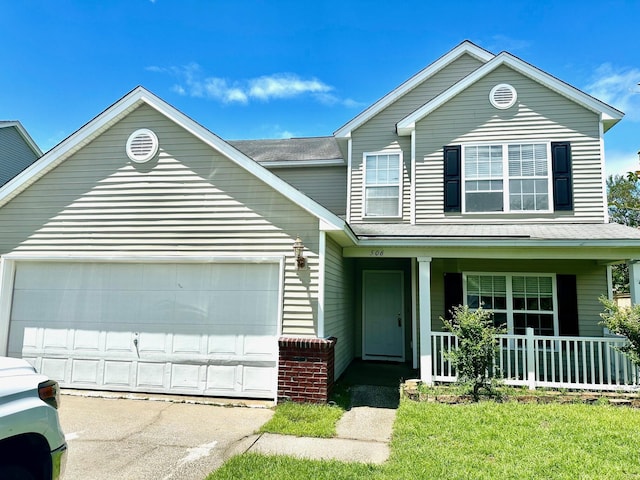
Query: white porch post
[[424, 300], [634, 281]]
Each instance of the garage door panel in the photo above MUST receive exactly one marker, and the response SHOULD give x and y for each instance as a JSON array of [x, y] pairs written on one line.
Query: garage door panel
[[259, 345], [186, 377], [258, 379], [152, 342], [222, 344], [86, 372], [118, 374], [201, 328], [54, 368], [222, 378], [151, 375], [185, 343], [55, 338], [87, 340], [118, 341]]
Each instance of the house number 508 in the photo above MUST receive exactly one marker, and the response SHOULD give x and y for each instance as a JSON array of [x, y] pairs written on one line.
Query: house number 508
[[376, 253]]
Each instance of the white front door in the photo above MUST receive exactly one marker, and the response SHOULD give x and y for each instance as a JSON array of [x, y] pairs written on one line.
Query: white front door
[[383, 315]]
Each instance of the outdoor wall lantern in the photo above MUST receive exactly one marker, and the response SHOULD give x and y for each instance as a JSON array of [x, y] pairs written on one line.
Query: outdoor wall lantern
[[298, 250]]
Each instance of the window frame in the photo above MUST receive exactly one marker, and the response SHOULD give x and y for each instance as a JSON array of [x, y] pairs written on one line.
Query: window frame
[[506, 178], [509, 310], [399, 185]]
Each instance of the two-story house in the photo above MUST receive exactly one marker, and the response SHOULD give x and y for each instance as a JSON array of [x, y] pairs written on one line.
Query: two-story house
[[144, 253]]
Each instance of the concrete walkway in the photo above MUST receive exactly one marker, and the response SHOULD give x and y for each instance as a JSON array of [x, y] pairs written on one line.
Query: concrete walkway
[[363, 432]]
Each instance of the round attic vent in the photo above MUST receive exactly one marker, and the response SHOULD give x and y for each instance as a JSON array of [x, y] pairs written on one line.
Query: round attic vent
[[142, 145], [503, 96]]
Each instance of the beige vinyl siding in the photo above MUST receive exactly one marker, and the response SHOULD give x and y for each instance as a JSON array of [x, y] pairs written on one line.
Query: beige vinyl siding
[[591, 282], [15, 154], [192, 200], [325, 185], [540, 114], [379, 133], [338, 304]]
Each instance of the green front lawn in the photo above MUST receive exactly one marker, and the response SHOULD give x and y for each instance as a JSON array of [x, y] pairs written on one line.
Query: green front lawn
[[484, 440], [304, 420]]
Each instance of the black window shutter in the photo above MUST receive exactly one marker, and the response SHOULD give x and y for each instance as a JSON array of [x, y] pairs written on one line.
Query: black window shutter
[[452, 292], [452, 178], [562, 185], [567, 305]]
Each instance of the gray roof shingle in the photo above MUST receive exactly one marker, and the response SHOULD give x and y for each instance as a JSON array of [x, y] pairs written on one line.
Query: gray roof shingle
[[551, 231], [289, 149]]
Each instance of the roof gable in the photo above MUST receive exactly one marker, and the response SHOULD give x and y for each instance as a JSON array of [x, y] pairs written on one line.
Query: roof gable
[[122, 108], [24, 134], [465, 47], [609, 115]]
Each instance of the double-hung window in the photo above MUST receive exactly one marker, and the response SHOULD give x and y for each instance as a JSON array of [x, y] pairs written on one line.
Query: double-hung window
[[507, 177], [517, 300], [382, 185]]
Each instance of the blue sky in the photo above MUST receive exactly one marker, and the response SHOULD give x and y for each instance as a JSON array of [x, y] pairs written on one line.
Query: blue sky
[[272, 69]]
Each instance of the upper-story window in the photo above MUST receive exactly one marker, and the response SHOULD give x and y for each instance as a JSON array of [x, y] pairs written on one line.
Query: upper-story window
[[507, 178], [382, 185]]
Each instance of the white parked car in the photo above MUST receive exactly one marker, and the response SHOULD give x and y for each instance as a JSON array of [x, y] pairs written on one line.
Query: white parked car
[[32, 444]]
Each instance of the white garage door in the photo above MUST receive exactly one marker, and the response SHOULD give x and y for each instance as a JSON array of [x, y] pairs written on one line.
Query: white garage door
[[197, 329]]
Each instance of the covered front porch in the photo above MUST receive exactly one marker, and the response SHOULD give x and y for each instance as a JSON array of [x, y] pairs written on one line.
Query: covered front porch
[[546, 293]]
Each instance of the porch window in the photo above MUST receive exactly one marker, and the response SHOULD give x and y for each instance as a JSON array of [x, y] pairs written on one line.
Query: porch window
[[382, 184], [507, 178], [518, 301]]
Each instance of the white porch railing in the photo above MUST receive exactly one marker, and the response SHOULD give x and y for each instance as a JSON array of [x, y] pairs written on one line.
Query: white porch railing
[[541, 361]]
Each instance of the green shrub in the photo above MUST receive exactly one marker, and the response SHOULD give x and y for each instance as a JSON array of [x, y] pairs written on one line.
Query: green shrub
[[474, 359], [623, 321]]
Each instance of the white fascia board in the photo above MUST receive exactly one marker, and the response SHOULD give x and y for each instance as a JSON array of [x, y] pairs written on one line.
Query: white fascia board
[[465, 47], [607, 112]]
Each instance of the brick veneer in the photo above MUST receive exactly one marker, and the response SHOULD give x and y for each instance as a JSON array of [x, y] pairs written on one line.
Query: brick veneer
[[305, 372]]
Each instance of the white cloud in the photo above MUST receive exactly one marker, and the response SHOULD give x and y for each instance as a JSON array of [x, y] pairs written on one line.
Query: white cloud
[[620, 163], [194, 83], [618, 87], [286, 134], [283, 85]]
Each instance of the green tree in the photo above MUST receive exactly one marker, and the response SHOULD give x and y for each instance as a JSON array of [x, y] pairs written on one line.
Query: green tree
[[623, 321], [475, 357], [623, 197]]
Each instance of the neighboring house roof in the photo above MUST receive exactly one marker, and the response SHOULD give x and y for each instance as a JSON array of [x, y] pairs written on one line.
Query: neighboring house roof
[[17, 150], [138, 96], [609, 115], [585, 233], [23, 133], [292, 151], [463, 48]]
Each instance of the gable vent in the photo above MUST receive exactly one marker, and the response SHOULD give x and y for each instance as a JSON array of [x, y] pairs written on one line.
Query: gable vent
[[142, 145], [503, 96]]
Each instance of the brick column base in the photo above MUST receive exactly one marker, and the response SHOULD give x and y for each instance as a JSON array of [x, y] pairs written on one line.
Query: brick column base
[[305, 372]]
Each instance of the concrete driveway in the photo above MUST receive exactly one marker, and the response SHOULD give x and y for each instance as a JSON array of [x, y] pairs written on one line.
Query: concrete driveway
[[145, 439]]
